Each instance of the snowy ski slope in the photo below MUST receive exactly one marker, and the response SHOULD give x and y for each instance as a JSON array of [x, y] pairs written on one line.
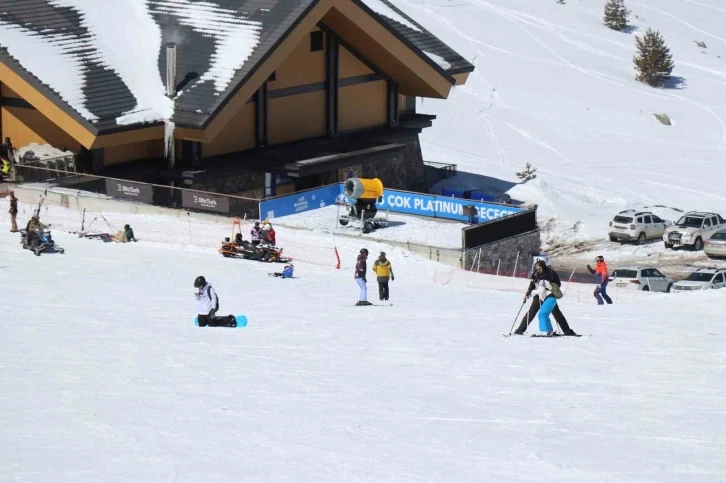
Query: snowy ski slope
[[555, 87], [105, 378]]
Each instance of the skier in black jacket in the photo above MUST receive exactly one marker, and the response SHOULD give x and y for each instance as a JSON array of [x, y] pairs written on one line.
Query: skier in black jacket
[[536, 302]]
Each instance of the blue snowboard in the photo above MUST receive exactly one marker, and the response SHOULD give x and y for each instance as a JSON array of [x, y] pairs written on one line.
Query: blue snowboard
[[241, 322]]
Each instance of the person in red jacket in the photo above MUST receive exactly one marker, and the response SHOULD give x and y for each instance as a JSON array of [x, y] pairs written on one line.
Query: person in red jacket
[[601, 276]]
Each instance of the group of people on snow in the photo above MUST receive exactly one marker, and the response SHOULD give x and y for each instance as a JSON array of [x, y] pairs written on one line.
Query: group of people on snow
[[546, 286], [383, 270], [264, 233]]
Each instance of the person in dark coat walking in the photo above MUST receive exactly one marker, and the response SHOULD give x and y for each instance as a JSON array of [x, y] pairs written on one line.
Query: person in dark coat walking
[[361, 267], [536, 304], [13, 212]]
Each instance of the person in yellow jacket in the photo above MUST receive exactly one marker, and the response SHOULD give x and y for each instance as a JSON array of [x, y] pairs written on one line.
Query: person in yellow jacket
[[384, 271]]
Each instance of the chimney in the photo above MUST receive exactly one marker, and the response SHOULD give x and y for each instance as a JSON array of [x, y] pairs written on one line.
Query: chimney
[[170, 69]]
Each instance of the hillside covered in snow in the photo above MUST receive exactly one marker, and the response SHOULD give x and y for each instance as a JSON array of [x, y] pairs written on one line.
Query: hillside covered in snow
[[556, 88]]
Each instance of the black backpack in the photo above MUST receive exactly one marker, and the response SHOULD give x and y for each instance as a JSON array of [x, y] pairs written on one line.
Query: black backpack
[[209, 294]]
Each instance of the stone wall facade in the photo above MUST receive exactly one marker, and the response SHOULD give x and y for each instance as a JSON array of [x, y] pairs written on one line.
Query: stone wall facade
[[504, 255], [402, 169]]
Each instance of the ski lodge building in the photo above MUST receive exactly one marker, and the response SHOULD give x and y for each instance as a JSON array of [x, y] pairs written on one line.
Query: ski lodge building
[[246, 97]]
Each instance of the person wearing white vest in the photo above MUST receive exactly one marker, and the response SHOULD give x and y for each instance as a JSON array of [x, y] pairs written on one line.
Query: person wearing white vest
[[208, 304]]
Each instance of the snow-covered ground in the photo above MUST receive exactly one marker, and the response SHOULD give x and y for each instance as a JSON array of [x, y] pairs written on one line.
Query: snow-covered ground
[[401, 228], [554, 87], [105, 378]]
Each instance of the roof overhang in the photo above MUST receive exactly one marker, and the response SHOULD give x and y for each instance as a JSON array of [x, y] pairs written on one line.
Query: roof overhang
[[355, 23], [321, 164]]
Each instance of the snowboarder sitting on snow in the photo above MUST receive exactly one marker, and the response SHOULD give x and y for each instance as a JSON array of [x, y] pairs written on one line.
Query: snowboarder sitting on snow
[[601, 277], [256, 233], [536, 303], [382, 268], [361, 268], [286, 272], [126, 235], [208, 305]]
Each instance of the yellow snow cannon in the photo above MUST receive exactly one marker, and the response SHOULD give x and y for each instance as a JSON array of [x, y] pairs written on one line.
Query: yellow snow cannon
[[364, 189], [362, 195]]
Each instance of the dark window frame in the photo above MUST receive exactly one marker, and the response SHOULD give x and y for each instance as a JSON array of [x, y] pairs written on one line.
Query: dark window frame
[[317, 41]]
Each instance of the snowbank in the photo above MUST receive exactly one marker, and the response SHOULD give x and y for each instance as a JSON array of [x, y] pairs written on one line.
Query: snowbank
[[402, 228]]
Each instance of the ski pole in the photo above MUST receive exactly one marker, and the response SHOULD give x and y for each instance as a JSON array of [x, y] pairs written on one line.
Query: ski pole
[[515, 318]]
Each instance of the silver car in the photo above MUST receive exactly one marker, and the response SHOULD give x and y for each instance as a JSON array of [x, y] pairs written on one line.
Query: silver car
[[715, 246]]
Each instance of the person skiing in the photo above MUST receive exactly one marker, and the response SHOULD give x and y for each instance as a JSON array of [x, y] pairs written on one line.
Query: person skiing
[[384, 271], [208, 304], [601, 278], [13, 212], [360, 277], [256, 233], [543, 285], [286, 272], [536, 304]]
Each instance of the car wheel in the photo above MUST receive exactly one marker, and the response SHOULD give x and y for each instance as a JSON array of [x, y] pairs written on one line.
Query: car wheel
[[670, 286], [646, 289], [667, 245], [613, 239], [698, 246], [641, 239], [343, 222]]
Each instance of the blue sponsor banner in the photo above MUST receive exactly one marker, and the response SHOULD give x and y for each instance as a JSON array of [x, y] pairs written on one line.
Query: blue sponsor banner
[[300, 202], [441, 206]]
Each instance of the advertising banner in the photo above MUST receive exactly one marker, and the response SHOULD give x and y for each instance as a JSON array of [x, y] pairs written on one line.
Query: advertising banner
[[300, 202], [129, 190], [205, 201], [442, 207]]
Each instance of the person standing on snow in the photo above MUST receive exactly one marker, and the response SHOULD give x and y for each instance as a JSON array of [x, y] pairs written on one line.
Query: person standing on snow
[[256, 233], [545, 279], [601, 277], [360, 277], [383, 270], [208, 304], [536, 304], [13, 212]]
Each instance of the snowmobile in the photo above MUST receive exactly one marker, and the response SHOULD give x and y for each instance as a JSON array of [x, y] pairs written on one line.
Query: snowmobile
[[45, 241], [363, 193], [237, 247]]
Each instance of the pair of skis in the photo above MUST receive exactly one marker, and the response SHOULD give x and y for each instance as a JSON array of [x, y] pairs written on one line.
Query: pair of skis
[[548, 336]]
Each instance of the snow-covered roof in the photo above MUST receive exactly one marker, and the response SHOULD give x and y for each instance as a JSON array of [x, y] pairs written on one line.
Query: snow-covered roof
[[104, 60]]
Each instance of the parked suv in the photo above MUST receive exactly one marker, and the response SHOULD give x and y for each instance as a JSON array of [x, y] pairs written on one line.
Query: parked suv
[[637, 226], [702, 279], [647, 279], [692, 229]]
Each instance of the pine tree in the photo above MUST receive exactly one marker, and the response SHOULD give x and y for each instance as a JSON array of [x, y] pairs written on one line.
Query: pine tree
[[616, 14], [653, 62]]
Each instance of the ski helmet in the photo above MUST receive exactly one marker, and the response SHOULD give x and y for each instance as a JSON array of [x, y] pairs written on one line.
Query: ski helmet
[[199, 282], [364, 251]]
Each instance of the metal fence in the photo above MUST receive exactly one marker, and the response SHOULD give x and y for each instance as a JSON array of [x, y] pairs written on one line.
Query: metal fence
[[436, 172], [139, 192]]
